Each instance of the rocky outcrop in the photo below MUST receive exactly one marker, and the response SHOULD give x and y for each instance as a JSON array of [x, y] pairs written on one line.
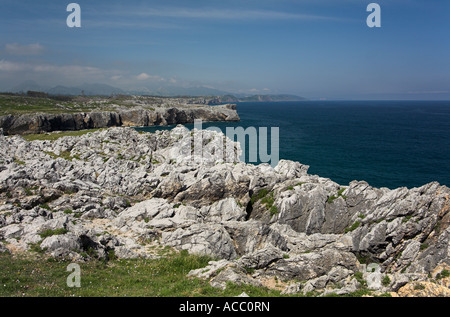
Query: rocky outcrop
[[133, 116], [119, 192]]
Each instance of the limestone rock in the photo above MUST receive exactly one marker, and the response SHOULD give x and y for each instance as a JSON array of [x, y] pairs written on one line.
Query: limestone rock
[[233, 275], [67, 241], [119, 192], [206, 239]]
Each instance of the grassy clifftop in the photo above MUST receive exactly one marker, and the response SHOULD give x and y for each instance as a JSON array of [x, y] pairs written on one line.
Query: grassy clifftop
[[23, 104], [15, 104]]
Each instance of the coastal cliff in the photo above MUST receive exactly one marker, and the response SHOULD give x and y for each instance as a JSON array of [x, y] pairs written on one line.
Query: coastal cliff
[[117, 191], [137, 116], [33, 115]]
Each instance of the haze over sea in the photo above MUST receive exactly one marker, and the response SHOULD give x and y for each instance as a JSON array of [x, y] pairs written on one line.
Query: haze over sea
[[386, 143]]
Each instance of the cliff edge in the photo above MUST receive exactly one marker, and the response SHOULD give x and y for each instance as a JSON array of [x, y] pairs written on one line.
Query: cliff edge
[[91, 113]]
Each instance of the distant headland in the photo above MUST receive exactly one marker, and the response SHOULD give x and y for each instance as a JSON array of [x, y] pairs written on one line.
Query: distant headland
[[38, 112]]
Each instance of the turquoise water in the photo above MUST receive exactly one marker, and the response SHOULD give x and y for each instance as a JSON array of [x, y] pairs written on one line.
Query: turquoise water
[[386, 143]]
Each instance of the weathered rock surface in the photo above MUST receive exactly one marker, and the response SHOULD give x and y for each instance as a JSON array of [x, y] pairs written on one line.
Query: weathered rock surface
[[120, 192]]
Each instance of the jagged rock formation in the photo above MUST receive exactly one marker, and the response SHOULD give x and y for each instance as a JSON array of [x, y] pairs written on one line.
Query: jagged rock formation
[[117, 191], [177, 113]]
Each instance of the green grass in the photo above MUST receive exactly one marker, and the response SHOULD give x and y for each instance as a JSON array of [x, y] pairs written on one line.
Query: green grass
[[273, 210], [292, 187], [419, 287], [26, 276], [19, 162], [22, 104], [262, 193], [15, 104], [50, 232], [45, 206], [40, 276], [339, 194], [28, 191], [443, 274], [386, 280], [353, 226], [64, 154], [267, 199], [406, 218], [56, 135], [360, 279]]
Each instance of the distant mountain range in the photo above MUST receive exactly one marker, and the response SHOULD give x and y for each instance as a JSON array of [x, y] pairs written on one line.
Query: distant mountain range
[[168, 91]]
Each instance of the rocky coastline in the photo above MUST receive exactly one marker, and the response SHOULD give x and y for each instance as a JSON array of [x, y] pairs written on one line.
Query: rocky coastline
[[136, 115], [118, 191]]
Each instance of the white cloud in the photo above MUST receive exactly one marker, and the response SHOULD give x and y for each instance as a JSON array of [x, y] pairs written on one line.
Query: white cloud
[[8, 66], [50, 74], [69, 70], [18, 49], [143, 76], [154, 78]]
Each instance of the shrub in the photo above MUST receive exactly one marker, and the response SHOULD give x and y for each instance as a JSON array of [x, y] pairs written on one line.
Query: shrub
[[19, 162], [50, 232], [444, 273], [406, 218], [386, 280], [352, 227], [262, 193], [45, 206], [28, 191], [273, 210], [419, 287], [339, 194], [267, 199], [360, 279]]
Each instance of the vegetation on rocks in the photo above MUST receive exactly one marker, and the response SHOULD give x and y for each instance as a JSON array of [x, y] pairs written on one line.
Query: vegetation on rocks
[[115, 198]]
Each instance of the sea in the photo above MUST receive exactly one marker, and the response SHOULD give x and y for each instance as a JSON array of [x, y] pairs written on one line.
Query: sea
[[385, 143]]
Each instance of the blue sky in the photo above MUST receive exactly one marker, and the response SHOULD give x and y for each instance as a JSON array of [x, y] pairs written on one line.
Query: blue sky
[[313, 48]]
